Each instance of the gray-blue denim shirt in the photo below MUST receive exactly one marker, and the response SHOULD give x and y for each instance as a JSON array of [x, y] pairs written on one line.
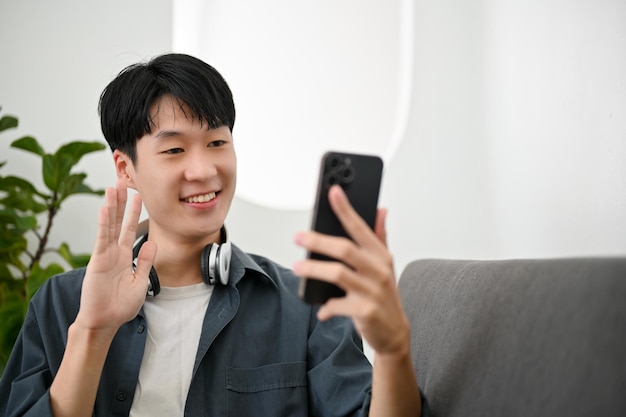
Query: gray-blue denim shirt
[[262, 352]]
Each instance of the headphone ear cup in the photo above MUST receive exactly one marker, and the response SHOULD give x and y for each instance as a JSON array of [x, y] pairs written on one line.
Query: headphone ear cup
[[207, 263], [215, 263], [223, 262]]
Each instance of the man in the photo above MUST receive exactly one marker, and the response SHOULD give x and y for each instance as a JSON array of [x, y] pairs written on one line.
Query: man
[[244, 346]]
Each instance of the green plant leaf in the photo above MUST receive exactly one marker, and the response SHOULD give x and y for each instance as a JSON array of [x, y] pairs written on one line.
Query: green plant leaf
[[56, 168], [74, 184], [23, 203], [70, 185], [9, 284], [75, 260], [11, 182], [8, 217], [21, 223], [10, 254], [85, 189], [20, 195], [76, 150], [5, 273], [27, 222], [11, 233], [13, 242], [8, 122], [13, 311], [8, 280], [28, 144]]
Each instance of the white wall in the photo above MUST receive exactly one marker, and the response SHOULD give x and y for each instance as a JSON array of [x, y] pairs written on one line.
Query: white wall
[[56, 58], [556, 99], [517, 141], [515, 147]]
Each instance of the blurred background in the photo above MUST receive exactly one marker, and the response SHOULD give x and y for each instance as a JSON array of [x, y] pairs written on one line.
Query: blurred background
[[502, 124]]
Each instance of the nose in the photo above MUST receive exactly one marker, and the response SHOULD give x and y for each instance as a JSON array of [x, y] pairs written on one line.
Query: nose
[[199, 167]]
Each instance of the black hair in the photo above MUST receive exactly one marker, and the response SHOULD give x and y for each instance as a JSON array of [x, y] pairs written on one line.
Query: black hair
[[125, 103]]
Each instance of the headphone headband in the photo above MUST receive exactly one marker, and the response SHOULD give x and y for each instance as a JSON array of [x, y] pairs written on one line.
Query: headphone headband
[[214, 262]]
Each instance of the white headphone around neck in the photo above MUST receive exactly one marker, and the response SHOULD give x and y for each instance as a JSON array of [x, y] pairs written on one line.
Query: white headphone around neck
[[214, 262]]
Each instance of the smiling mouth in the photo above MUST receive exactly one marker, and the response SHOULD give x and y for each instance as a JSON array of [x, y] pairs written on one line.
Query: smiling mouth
[[202, 198]]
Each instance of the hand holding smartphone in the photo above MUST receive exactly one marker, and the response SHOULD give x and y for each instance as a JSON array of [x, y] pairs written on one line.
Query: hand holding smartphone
[[360, 177]]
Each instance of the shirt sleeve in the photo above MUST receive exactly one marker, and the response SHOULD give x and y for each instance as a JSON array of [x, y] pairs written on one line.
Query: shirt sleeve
[[25, 383], [340, 375], [39, 348]]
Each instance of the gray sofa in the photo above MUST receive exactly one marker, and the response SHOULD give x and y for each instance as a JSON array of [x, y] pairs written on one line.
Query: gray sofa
[[519, 337]]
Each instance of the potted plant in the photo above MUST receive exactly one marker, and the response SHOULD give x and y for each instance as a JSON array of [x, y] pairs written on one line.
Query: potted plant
[[26, 219]]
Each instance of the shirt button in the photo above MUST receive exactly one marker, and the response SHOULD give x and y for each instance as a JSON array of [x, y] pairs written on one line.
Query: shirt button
[[121, 396], [141, 328]]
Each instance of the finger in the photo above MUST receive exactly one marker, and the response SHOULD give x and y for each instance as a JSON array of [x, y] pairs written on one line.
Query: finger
[[121, 196], [341, 307], [379, 228], [102, 234], [373, 265], [129, 232], [111, 204], [145, 260], [335, 273], [351, 221], [105, 216], [366, 307], [339, 248], [385, 328], [375, 304]]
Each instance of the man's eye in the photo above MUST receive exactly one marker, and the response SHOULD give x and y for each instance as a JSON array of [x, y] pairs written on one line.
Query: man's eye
[[173, 151], [216, 143]]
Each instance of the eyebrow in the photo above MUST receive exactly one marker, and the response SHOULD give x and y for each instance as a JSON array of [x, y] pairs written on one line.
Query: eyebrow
[[167, 134]]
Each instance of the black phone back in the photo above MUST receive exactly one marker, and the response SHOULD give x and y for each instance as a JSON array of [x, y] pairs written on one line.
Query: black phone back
[[360, 177]]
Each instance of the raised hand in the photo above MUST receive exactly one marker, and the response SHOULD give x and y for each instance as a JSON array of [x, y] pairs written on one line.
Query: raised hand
[[112, 292], [365, 273]]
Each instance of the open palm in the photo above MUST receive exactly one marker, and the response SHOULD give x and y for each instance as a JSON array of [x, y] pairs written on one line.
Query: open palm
[[113, 292]]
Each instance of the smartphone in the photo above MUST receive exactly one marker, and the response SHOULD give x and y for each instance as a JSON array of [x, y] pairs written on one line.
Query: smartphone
[[360, 177]]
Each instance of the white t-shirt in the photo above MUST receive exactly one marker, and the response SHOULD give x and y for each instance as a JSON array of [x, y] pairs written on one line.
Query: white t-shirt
[[174, 319]]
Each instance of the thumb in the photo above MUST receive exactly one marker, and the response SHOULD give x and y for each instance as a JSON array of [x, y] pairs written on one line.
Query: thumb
[[145, 259]]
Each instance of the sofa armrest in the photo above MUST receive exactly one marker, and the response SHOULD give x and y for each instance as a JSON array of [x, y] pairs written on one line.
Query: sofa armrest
[[519, 337]]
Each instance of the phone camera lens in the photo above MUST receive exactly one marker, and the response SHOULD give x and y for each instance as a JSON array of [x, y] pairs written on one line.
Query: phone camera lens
[[334, 162], [347, 174], [340, 170], [331, 179]]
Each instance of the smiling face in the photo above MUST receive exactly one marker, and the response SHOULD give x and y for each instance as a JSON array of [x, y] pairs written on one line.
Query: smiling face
[[185, 173]]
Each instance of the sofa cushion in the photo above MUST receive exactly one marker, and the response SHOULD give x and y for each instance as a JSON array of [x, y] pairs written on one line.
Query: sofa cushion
[[519, 337]]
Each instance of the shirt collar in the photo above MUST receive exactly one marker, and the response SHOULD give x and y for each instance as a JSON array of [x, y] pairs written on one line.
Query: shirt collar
[[241, 262]]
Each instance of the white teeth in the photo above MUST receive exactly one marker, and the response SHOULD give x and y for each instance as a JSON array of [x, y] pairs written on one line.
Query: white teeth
[[201, 198]]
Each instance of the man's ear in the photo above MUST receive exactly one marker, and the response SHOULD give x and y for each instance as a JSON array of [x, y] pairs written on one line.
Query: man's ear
[[124, 168]]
